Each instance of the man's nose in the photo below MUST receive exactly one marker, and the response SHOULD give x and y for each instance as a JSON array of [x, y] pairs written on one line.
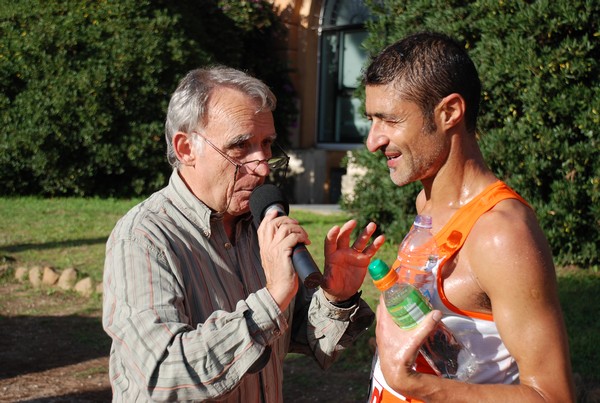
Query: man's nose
[[261, 168], [375, 138]]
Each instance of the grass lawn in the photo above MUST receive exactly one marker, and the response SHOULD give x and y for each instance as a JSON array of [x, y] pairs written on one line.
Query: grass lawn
[[71, 232]]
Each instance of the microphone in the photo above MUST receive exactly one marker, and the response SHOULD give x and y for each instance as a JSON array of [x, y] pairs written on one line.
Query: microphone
[[267, 197]]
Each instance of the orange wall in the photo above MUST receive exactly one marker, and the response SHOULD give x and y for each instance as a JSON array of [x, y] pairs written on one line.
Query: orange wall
[[301, 51]]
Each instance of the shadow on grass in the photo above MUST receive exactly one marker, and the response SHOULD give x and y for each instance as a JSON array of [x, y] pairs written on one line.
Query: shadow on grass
[[578, 292], [103, 395], [52, 245], [347, 380], [32, 344], [304, 381]]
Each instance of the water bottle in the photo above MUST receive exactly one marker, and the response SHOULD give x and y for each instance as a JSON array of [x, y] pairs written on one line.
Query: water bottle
[[408, 306], [418, 255]]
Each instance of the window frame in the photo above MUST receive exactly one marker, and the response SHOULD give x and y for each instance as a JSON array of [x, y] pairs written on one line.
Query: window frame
[[331, 93]]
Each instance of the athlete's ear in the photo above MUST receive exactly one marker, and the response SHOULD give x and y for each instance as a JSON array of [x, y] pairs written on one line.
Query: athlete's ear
[[184, 150], [451, 110]]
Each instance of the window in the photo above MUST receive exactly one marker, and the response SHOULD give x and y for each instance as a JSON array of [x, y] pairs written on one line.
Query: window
[[341, 60]]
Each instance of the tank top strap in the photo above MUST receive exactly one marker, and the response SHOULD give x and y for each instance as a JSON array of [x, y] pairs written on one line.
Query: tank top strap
[[453, 235]]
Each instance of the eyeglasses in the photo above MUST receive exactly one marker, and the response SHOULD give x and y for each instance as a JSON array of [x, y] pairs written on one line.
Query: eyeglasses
[[274, 163]]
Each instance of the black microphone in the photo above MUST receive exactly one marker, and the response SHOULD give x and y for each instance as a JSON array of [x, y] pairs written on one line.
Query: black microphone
[[268, 197]]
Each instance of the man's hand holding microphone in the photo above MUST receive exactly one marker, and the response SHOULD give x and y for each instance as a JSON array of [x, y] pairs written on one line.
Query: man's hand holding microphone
[[285, 258]]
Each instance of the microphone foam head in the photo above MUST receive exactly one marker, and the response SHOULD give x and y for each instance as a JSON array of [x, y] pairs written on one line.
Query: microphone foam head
[[263, 197]]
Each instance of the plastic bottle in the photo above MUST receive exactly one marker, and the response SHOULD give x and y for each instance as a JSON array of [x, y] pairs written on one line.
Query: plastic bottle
[[408, 307], [418, 255]]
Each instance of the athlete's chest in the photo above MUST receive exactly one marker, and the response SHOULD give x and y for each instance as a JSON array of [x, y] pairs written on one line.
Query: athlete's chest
[[461, 286]]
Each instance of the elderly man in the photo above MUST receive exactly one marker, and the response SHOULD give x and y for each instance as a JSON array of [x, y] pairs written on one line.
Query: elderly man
[[199, 303]]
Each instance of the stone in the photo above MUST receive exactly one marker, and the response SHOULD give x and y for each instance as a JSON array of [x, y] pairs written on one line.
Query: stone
[[84, 287], [50, 276], [35, 276], [21, 273], [67, 279]]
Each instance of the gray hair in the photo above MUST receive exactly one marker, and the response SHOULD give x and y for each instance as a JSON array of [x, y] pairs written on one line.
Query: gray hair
[[188, 106]]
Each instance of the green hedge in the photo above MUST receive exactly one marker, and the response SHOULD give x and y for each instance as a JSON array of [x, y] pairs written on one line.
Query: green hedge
[[539, 65], [85, 86]]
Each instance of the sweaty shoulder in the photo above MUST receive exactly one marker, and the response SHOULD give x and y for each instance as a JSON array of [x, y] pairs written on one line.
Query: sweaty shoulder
[[507, 222]]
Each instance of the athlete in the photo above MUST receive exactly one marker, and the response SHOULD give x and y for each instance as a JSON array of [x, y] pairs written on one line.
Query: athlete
[[496, 282]]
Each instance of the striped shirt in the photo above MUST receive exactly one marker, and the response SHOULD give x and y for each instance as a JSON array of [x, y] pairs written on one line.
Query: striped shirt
[[190, 317]]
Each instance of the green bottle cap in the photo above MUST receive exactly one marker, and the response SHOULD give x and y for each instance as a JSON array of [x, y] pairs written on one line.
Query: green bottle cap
[[378, 269]]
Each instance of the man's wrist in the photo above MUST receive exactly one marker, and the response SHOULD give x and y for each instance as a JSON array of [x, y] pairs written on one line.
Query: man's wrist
[[350, 302]]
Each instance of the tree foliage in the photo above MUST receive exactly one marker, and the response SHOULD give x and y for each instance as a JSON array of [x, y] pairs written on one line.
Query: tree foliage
[[85, 86], [539, 65]]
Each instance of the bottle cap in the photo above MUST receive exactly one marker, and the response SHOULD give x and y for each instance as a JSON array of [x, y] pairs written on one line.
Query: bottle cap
[[383, 277], [378, 269]]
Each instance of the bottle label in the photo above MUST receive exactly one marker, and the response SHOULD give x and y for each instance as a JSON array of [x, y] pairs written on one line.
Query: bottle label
[[410, 310]]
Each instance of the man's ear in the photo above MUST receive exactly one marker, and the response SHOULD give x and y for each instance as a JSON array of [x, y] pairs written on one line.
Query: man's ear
[[182, 144], [451, 110]]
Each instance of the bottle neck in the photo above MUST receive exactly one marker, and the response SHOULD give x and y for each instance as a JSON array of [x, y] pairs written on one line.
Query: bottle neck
[[387, 281]]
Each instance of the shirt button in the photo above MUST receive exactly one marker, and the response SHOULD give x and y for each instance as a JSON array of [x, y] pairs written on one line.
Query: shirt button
[[276, 332], [227, 245]]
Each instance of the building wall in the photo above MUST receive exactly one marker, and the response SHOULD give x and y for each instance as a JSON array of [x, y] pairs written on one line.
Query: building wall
[[317, 173]]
